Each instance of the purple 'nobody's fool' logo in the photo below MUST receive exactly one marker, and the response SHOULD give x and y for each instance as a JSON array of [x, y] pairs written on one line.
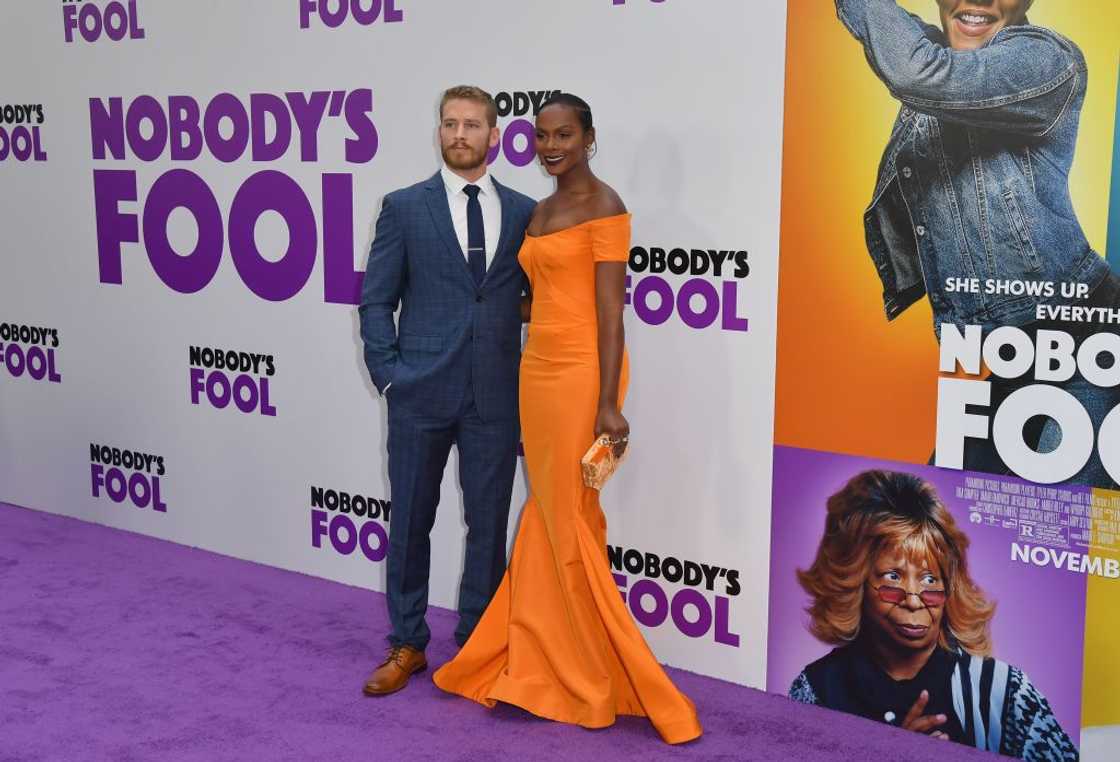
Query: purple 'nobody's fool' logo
[[28, 351], [335, 13], [516, 111], [696, 609], [90, 20], [123, 474], [350, 523], [20, 136], [263, 128], [709, 295], [221, 377]]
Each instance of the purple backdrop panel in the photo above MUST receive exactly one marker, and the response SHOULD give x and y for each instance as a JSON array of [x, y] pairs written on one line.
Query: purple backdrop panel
[[1039, 624]]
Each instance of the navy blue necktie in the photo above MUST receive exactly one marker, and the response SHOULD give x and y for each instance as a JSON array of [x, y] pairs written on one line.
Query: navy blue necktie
[[476, 234]]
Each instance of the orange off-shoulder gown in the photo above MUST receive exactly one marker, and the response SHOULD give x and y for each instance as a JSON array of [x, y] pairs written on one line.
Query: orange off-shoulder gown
[[557, 638]]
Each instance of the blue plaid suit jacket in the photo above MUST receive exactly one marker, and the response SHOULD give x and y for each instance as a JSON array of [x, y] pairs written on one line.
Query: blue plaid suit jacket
[[450, 331]]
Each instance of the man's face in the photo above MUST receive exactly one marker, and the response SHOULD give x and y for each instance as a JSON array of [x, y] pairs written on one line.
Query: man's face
[[465, 134], [970, 23], [910, 623]]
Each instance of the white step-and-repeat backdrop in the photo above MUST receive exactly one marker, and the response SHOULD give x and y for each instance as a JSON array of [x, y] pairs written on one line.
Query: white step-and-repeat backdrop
[[188, 197]]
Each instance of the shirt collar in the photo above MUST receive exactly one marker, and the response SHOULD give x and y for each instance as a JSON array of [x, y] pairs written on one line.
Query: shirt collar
[[455, 184]]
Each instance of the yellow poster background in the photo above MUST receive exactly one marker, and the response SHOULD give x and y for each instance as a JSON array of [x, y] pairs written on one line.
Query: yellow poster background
[[847, 380]]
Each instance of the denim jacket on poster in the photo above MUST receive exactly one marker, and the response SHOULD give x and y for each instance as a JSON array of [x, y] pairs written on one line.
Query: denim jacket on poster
[[974, 182]]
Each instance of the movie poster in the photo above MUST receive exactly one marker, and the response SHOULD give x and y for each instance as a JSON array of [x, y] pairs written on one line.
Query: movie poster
[[947, 428]]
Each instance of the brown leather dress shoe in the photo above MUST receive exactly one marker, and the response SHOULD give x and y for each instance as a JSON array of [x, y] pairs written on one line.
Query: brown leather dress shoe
[[393, 673]]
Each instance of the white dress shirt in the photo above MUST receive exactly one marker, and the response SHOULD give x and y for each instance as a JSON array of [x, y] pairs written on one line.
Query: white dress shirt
[[491, 210]]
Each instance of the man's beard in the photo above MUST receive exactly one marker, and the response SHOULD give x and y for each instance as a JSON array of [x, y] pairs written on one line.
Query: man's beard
[[472, 158]]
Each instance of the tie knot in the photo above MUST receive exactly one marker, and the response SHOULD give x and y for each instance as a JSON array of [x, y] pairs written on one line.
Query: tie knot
[[472, 190]]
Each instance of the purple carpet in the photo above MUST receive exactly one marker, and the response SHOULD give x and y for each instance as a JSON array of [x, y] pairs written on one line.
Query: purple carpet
[[120, 647]]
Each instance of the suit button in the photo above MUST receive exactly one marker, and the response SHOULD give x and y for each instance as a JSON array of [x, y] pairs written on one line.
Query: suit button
[[478, 298]]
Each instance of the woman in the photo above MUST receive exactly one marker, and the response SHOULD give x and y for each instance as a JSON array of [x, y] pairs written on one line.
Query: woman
[[974, 182], [890, 588], [557, 639]]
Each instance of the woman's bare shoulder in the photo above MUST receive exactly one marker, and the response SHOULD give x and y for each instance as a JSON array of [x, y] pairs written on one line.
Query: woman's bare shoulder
[[606, 203]]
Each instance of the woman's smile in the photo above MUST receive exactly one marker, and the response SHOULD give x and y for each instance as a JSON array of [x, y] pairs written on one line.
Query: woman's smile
[[975, 23], [968, 24]]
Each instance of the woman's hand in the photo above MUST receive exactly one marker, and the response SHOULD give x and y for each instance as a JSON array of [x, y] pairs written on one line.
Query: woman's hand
[[612, 423], [920, 723]]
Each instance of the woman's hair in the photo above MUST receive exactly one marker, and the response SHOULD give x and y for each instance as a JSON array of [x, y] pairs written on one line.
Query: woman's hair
[[574, 102], [878, 510]]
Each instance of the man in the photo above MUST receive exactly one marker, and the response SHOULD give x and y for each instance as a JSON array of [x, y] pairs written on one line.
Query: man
[[445, 251]]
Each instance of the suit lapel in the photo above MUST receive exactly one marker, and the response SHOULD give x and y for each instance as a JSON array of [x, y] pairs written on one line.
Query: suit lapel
[[441, 219], [507, 224]]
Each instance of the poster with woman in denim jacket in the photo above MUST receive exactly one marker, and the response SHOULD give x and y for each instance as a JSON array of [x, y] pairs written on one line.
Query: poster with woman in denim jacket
[[974, 182]]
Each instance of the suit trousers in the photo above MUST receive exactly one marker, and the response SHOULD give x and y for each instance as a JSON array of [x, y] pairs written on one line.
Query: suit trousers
[[418, 447]]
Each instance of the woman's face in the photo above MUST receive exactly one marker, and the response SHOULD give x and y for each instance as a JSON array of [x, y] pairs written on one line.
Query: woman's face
[[970, 23], [911, 623], [561, 141]]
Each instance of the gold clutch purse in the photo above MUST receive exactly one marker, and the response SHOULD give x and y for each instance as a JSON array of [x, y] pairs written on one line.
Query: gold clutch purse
[[600, 462]]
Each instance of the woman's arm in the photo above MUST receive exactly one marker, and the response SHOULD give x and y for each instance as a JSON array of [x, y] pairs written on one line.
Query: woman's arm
[[1020, 82], [1031, 731], [610, 286], [802, 691]]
